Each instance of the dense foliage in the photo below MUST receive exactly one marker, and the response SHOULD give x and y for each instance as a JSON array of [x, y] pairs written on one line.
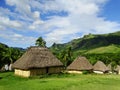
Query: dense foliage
[[40, 42], [8, 54], [107, 58]]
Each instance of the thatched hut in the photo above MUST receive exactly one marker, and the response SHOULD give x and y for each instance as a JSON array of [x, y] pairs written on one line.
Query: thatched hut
[[109, 68], [100, 68], [79, 65], [36, 61], [117, 69]]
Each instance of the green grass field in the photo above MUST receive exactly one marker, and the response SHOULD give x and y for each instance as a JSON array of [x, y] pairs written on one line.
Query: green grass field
[[60, 82], [106, 49]]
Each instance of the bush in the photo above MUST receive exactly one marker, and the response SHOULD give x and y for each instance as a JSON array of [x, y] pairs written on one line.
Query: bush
[[86, 72]]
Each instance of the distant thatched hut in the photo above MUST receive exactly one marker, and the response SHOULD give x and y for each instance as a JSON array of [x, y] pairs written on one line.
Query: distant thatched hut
[[36, 61], [117, 69], [79, 65], [109, 68], [100, 68]]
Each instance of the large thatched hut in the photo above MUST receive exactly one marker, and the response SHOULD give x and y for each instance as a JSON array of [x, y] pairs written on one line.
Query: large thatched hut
[[79, 65], [100, 68], [36, 61]]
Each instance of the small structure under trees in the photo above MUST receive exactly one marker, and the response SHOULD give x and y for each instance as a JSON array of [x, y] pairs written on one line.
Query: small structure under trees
[[36, 61], [79, 65]]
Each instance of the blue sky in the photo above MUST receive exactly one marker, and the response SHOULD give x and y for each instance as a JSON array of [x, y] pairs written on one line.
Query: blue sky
[[111, 10], [59, 21]]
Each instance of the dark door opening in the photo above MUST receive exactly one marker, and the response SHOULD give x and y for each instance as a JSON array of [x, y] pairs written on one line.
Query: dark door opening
[[47, 70]]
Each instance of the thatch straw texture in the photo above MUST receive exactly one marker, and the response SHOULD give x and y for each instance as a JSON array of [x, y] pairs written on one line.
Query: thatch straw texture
[[117, 69], [100, 66], [109, 67], [37, 57], [79, 64]]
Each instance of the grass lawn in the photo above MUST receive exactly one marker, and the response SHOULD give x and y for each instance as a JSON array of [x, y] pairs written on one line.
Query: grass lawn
[[60, 82]]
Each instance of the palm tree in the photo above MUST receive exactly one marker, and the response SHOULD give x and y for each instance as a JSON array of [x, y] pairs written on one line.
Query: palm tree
[[66, 56], [7, 55], [40, 42], [10, 55]]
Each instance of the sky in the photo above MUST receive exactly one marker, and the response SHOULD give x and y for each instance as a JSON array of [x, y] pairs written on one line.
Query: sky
[[57, 21]]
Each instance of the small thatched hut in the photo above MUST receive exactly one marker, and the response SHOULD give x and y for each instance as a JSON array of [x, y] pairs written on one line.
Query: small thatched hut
[[117, 69], [100, 68], [109, 68], [79, 65], [36, 61]]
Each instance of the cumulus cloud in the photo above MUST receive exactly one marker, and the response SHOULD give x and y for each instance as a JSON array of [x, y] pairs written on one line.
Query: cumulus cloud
[[9, 23], [17, 39], [46, 17], [22, 6], [83, 17]]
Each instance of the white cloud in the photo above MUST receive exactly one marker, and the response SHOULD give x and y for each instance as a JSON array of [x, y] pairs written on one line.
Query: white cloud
[[82, 17], [17, 35], [36, 25], [9, 23], [22, 6], [17, 39], [36, 15]]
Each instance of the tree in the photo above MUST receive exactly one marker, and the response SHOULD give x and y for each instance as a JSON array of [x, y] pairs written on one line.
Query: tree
[[2, 49], [66, 56], [10, 55], [40, 42]]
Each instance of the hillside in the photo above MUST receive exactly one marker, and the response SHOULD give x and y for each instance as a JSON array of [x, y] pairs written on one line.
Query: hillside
[[91, 42], [100, 44], [105, 49]]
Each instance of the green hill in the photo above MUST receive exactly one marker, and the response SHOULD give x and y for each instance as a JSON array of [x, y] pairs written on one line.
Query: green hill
[[91, 42], [100, 46], [105, 49]]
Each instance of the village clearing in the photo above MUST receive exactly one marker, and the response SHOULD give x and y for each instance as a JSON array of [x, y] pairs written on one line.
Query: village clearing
[[8, 81]]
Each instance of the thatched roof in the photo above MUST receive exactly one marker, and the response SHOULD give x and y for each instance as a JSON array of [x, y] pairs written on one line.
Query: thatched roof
[[100, 66], [37, 57], [109, 67], [117, 68], [80, 63]]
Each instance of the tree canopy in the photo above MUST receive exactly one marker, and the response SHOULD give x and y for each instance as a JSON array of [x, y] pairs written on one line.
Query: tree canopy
[[40, 42], [8, 54]]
